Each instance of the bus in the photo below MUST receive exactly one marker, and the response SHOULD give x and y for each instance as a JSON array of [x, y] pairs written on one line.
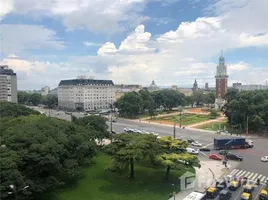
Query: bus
[[196, 196]]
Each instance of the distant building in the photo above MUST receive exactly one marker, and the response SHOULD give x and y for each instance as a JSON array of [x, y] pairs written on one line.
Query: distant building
[[174, 87], [8, 85], [153, 87], [221, 83], [250, 87], [122, 89], [185, 91], [44, 91], [236, 85], [206, 86], [86, 94], [195, 86], [53, 92]]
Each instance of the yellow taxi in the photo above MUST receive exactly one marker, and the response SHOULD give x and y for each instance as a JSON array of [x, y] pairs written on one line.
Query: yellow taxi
[[212, 192], [234, 185], [263, 195], [248, 188], [246, 196]]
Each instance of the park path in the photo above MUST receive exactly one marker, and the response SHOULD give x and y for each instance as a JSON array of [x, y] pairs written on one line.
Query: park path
[[206, 122]]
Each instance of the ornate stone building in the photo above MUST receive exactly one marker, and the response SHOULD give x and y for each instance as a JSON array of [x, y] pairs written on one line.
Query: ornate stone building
[[221, 83]]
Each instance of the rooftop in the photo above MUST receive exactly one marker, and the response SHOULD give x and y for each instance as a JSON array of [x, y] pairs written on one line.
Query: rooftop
[[85, 82], [4, 70]]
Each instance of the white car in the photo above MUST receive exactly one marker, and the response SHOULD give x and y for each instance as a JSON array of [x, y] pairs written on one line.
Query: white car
[[264, 159], [126, 129], [196, 144], [192, 151]]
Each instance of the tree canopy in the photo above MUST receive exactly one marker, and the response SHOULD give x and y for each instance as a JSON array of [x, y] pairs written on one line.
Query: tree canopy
[[9, 110], [166, 151], [251, 106], [134, 104], [36, 99], [43, 153]]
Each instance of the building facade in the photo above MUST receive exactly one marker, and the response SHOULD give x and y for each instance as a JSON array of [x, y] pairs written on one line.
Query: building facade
[[241, 87], [122, 89], [221, 83], [195, 86], [86, 94], [8, 85], [153, 87]]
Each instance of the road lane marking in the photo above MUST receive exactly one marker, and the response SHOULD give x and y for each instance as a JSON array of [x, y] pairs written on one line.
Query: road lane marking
[[252, 174], [247, 174], [239, 173], [253, 178], [234, 171], [209, 144], [243, 173], [263, 178]]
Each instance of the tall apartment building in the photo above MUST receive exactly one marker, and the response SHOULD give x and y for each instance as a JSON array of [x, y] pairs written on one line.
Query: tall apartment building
[[86, 94], [8, 85]]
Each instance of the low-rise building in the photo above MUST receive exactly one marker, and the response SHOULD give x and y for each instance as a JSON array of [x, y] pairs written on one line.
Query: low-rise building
[[86, 94], [8, 85], [241, 87], [122, 89]]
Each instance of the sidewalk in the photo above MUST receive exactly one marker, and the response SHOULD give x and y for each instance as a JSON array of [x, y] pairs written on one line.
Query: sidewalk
[[205, 177]]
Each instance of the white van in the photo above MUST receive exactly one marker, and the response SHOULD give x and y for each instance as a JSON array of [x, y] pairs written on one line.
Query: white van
[[192, 151]]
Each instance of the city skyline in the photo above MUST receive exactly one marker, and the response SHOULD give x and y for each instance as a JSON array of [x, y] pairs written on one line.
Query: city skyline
[[134, 42]]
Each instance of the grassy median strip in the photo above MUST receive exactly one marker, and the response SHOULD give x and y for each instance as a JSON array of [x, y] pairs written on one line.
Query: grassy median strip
[[99, 184]]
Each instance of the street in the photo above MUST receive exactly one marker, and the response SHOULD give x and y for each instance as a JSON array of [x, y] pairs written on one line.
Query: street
[[250, 167]]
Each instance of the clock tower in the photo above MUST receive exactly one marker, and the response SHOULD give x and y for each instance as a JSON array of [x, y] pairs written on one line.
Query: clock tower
[[221, 83]]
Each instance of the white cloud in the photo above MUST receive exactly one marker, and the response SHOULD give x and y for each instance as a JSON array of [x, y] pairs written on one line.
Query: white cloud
[[6, 7], [107, 48], [249, 40], [18, 37], [98, 16], [92, 44]]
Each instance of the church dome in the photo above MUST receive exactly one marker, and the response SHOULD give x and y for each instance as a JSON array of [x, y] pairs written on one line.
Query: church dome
[[153, 87]]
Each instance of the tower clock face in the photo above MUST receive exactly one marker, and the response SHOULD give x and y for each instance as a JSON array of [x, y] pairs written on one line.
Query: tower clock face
[[220, 69]]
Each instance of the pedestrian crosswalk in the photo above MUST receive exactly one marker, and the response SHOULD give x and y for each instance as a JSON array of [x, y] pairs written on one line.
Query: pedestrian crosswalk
[[250, 175]]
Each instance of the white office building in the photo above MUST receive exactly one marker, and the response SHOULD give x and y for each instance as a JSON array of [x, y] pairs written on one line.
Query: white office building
[[8, 85], [86, 94]]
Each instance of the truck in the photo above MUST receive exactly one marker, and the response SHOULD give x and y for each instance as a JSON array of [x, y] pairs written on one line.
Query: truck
[[230, 143]]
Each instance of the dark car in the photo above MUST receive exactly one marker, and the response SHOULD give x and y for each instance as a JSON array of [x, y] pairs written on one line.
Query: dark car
[[190, 140], [204, 149], [225, 195], [231, 156], [220, 185]]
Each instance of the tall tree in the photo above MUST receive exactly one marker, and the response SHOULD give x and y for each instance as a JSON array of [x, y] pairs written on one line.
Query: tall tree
[[50, 101], [43, 153], [10, 110], [130, 148], [175, 161], [129, 105]]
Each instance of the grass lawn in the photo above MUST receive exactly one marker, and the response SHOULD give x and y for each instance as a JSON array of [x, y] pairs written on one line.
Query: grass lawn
[[103, 185], [145, 115], [215, 126], [187, 119]]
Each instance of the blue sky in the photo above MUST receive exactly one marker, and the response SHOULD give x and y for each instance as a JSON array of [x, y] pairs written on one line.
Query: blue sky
[[134, 41]]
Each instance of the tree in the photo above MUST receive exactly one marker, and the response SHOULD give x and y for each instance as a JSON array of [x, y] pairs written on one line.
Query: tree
[[213, 113], [199, 98], [231, 94], [43, 152], [209, 98], [171, 145], [96, 123], [23, 97], [130, 148], [147, 102], [10, 110], [50, 101], [129, 105], [176, 161], [248, 109], [190, 100]]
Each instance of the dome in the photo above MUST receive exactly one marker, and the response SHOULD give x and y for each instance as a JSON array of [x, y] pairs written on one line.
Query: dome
[[153, 87]]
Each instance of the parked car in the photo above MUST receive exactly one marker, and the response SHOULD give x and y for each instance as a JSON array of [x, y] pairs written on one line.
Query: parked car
[[225, 195], [232, 156], [264, 159], [196, 144], [215, 157], [204, 149], [192, 151]]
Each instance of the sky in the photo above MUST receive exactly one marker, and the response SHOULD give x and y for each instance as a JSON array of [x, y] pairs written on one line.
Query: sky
[[172, 42]]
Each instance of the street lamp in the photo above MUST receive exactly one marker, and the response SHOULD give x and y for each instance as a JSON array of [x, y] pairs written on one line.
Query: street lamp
[[15, 191]]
